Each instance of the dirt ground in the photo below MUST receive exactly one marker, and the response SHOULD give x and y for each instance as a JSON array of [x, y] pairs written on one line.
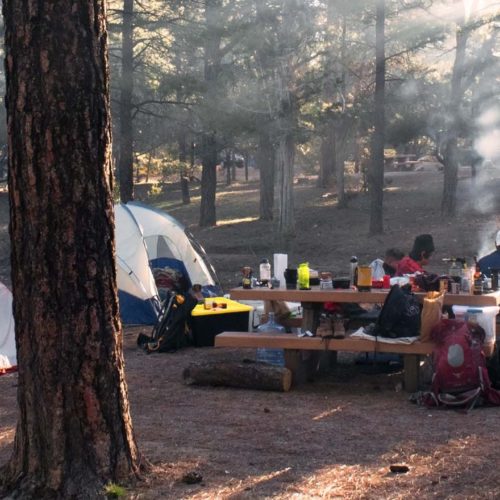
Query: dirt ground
[[332, 438]]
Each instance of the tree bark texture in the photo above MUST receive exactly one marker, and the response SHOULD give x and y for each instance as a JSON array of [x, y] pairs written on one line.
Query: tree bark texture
[[376, 171], [126, 140], [74, 431], [246, 375]]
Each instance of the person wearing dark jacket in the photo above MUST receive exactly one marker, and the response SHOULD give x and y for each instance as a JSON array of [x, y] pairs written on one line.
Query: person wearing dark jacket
[[414, 262], [492, 260]]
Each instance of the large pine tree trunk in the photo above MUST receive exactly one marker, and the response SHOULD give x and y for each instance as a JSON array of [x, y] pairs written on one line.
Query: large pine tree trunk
[[126, 140], [376, 171], [74, 431]]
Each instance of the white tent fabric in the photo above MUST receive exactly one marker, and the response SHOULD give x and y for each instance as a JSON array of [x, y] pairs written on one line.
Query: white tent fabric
[[165, 237], [146, 237], [137, 289], [8, 358]]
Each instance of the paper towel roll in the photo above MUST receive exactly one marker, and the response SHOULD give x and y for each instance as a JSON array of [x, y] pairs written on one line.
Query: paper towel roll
[[280, 264]]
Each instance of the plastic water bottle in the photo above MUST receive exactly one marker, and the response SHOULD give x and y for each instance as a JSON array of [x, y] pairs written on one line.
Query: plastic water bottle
[[271, 356]]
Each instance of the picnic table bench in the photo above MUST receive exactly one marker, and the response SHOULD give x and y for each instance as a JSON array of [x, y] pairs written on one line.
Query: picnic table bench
[[299, 351], [295, 347]]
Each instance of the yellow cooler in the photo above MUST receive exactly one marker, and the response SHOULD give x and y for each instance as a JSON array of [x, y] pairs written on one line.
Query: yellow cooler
[[216, 315]]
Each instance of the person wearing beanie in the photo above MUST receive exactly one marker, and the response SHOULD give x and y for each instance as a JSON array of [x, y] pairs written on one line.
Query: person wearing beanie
[[492, 260], [414, 262]]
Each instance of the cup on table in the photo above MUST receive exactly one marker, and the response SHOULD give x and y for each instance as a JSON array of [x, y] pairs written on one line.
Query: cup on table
[[290, 278]]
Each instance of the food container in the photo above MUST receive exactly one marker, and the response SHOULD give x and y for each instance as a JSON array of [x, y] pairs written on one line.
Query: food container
[[341, 283], [484, 317]]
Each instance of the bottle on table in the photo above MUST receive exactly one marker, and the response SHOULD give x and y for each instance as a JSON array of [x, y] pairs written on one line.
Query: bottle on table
[[246, 281], [303, 276], [265, 271], [477, 286], [353, 276]]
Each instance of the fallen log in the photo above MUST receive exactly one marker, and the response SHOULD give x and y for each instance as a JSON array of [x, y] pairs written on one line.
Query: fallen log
[[245, 375]]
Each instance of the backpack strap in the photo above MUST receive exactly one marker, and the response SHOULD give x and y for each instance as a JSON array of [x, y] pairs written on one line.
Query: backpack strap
[[468, 399]]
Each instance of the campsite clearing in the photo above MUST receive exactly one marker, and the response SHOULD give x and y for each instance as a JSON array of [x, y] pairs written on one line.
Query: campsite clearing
[[336, 437]]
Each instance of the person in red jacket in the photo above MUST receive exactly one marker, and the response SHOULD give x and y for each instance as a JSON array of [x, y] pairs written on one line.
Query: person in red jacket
[[423, 247]]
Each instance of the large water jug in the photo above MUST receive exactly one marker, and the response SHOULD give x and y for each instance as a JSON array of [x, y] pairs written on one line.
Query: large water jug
[[271, 356]]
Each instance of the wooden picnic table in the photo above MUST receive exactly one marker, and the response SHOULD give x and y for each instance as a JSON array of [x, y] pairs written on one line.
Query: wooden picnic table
[[312, 303], [312, 300]]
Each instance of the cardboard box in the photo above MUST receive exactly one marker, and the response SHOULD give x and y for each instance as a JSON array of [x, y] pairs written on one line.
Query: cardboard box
[[227, 315]]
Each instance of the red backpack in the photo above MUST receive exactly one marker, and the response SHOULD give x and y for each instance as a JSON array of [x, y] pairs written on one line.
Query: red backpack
[[460, 375]]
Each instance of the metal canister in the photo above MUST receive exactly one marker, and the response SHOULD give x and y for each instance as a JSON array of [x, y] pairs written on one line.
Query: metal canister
[[494, 278]]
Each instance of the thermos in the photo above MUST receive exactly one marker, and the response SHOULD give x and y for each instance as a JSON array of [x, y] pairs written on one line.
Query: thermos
[[303, 276], [353, 273]]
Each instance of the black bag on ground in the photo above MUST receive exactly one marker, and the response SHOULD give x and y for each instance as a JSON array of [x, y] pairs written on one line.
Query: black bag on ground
[[400, 314], [493, 366], [171, 330]]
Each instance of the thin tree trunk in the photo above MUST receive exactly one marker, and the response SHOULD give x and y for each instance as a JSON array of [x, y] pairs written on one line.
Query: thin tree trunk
[[266, 154], [327, 161], [450, 157], [265, 162], [227, 166], [212, 63], [341, 129], [74, 432], [186, 198], [126, 140], [339, 171], [286, 126], [327, 157], [376, 170], [285, 221], [208, 181]]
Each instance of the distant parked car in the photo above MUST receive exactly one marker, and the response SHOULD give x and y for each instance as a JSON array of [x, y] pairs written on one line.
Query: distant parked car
[[428, 162]]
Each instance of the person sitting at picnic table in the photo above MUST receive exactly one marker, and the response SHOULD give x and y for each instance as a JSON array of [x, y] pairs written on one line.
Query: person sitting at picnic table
[[387, 265], [492, 260], [414, 262]]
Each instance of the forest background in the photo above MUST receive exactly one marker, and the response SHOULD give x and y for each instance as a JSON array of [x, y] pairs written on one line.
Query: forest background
[[331, 90], [276, 126]]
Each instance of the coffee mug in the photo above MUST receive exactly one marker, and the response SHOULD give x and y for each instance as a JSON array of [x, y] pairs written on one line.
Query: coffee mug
[[290, 278]]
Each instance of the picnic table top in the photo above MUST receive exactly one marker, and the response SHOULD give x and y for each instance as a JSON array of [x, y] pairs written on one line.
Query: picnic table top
[[375, 296]]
